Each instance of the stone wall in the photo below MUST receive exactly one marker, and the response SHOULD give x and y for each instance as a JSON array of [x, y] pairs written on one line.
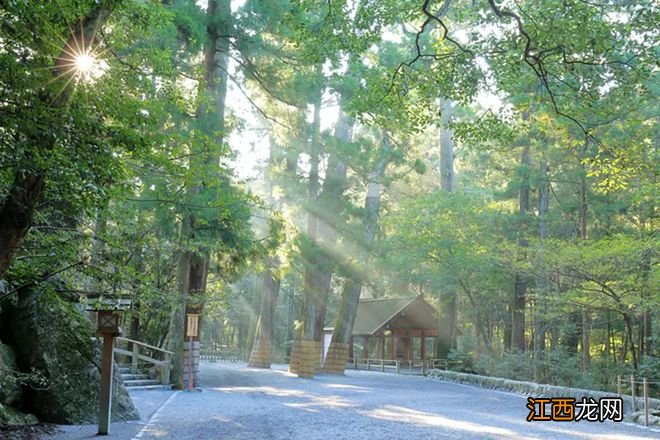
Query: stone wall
[[191, 362], [542, 390]]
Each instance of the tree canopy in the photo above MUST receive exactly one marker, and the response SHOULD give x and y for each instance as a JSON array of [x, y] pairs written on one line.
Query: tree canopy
[[498, 157]]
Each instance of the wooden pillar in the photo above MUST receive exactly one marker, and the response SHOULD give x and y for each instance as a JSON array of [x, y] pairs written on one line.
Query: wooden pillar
[[106, 384], [393, 346], [408, 345], [422, 346], [350, 348], [381, 345], [365, 348]]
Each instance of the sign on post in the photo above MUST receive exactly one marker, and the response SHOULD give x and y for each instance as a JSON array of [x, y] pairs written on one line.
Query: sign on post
[[192, 325]]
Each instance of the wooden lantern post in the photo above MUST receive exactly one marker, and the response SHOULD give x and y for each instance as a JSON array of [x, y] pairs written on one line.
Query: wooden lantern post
[[108, 328]]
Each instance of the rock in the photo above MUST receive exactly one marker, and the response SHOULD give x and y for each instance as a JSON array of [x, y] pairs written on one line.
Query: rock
[[52, 338], [10, 387], [10, 390], [10, 416]]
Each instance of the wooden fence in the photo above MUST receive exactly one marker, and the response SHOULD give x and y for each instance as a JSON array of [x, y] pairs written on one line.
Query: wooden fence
[[398, 366], [220, 355], [620, 382]]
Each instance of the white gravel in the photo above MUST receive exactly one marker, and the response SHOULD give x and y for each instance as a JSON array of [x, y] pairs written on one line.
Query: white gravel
[[242, 403]]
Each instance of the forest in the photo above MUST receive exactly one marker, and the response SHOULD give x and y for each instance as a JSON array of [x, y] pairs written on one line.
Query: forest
[[266, 164]]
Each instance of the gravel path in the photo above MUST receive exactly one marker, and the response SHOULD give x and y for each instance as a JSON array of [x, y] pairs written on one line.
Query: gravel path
[[242, 403]]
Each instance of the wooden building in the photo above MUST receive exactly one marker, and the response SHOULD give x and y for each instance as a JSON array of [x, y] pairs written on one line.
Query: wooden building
[[394, 328]]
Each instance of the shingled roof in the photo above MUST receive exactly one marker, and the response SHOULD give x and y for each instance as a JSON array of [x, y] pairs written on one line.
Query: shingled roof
[[373, 314]]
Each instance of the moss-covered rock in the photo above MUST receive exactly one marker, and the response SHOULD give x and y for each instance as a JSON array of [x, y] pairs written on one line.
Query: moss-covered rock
[[52, 338], [11, 416], [10, 387]]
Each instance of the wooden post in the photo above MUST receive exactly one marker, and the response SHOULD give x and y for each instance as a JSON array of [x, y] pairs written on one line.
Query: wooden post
[[422, 348], [632, 390], [397, 366], [409, 340], [106, 385], [134, 358], [646, 402], [618, 385], [365, 348], [394, 354]]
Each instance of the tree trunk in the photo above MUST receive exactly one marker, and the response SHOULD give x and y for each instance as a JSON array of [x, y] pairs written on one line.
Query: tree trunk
[[306, 353], [520, 281], [631, 339], [449, 302], [330, 206], [260, 356], [323, 212], [540, 305], [16, 213], [586, 327], [177, 321], [647, 316], [507, 330], [586, 356], [193, 265], [337, 356]]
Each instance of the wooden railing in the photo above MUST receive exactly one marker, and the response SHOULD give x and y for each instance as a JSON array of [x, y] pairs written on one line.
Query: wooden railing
[[397, 365], [220, 355], [380, 364], [139, 351]]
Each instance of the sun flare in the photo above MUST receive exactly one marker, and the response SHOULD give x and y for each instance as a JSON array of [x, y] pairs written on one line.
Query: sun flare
[[85, 63], [87, 67]]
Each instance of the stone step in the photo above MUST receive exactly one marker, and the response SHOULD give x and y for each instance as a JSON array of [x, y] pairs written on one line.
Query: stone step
[[140, 382], [129, 376], [150, 387]]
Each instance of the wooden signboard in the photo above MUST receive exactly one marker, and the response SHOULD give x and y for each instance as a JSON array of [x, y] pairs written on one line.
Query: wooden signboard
[[192, 325]]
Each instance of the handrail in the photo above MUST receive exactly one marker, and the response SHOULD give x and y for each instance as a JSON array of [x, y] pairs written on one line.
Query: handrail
[[163, 365], [144, 345], [142, 357]]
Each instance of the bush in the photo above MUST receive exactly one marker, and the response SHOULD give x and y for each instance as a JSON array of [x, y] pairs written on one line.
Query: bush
[[510, 366], [562, 368], [650, 369]]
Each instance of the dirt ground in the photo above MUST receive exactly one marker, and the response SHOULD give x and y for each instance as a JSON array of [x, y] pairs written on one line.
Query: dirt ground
[[27, 432]]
